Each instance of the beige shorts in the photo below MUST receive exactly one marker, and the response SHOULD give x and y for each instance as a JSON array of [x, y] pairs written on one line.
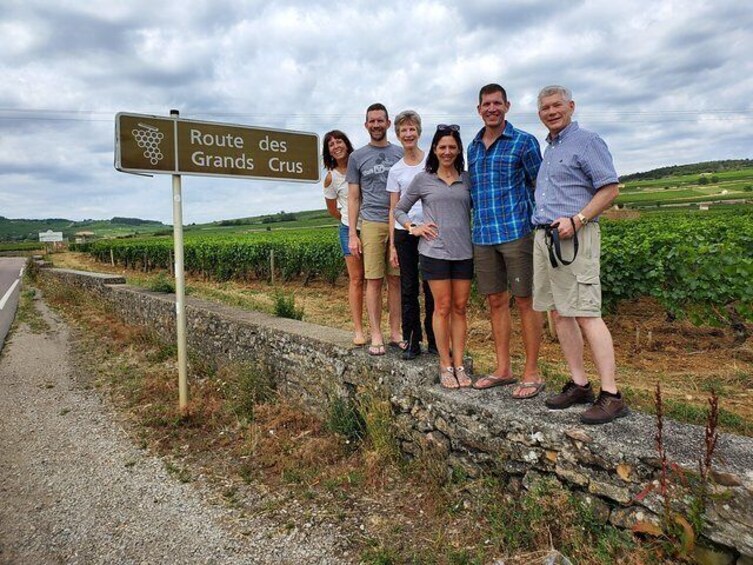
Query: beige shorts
[[574, 290], [375, 240], [505, 266]]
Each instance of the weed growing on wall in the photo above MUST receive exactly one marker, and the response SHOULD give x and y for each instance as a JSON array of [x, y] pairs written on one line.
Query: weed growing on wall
[[284, 306], [345, 419], [162, 283]]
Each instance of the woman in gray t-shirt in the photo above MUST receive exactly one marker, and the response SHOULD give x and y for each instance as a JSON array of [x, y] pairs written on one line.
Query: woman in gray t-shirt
[[445, 249]]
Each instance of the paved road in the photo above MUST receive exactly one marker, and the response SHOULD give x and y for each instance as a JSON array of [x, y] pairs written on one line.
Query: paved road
[[11, 270], [75, 489]]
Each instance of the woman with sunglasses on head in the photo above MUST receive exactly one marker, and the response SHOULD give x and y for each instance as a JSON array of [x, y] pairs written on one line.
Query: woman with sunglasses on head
[[335, 152], [445, 249]]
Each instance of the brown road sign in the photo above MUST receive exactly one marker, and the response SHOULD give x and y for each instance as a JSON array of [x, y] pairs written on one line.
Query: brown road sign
[[155, 144]]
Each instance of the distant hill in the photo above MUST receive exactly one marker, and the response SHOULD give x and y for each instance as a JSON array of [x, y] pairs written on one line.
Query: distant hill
[[28, 230], [692, 169]]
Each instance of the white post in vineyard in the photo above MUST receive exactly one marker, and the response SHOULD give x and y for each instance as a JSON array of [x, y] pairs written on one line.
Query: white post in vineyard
[[180, 289]]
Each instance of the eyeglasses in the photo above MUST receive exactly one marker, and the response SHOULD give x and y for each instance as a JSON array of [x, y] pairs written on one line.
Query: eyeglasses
[[448, 127]]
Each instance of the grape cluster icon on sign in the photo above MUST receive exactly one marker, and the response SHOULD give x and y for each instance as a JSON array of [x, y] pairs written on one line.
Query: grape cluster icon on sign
[[148, 138]]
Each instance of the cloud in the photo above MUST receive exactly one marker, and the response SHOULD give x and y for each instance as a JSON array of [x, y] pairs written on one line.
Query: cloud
[[662, 83]]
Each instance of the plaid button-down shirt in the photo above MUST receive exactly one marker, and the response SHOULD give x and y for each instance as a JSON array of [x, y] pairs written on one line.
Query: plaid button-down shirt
[[502, 183], [577, 163]]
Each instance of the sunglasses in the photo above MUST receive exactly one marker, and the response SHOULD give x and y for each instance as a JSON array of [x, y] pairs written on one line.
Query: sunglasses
[[448, 127]]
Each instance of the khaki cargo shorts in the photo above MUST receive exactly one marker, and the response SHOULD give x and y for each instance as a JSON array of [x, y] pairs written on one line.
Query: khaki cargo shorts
[[574, 290], [375, 239]]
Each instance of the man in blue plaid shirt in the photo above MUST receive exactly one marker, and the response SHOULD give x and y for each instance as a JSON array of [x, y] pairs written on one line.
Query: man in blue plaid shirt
[[503, 162]]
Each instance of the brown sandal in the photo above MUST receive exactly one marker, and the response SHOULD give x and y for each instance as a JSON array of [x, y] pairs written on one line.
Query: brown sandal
[[490, 381]]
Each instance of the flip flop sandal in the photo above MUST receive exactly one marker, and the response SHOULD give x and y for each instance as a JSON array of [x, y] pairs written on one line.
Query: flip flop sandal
[[447, 378], [464, 381], [537, 386], [376, 350], [359, 342], [491, 381], [401, 345]]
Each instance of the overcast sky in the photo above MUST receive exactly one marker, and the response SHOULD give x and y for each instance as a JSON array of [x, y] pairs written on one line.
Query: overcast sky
[[664, 82]]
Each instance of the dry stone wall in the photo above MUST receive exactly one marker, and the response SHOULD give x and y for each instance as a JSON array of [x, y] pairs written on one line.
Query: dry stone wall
[[612, 467]]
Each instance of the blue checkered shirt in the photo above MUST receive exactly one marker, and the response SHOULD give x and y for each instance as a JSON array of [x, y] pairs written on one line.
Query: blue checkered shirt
[[502, 182], [577, 163]]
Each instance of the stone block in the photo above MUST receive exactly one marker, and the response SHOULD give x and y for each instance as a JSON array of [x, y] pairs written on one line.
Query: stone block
[[608, 490], [572, 475], [627, 518]]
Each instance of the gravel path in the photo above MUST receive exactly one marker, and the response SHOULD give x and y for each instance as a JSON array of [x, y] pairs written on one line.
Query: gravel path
[[75, 489]]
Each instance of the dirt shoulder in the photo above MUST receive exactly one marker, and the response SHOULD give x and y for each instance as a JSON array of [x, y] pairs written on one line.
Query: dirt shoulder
[[76, 489]]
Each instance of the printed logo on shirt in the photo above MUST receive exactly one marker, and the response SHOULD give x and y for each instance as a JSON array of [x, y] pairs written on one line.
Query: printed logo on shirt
[[381, 166]]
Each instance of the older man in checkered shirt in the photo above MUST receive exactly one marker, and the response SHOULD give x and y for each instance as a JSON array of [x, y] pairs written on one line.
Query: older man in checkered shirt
[[576, 182]]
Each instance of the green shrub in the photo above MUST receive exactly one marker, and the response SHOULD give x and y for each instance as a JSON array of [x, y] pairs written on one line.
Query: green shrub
[[345, 419], [285, 306], [249, 387], [162, 283]]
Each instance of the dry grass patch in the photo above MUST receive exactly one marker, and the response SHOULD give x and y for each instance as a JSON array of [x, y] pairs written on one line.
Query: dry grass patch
[[268, 455]]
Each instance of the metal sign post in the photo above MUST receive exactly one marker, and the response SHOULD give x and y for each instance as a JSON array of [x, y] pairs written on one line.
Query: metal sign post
[[180, 290], [146, 144]]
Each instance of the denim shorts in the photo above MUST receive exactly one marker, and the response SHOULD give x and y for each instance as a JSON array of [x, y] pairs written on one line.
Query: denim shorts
[[344, 240]]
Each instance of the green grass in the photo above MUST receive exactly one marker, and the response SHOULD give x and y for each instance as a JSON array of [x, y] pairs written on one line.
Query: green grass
[[284, 306]]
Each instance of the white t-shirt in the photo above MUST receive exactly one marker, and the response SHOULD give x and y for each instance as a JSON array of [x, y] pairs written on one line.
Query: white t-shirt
[[338, 190], [400, 176]]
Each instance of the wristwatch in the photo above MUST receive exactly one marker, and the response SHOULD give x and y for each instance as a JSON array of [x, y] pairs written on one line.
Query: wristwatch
[[583, 219], [410, 228]]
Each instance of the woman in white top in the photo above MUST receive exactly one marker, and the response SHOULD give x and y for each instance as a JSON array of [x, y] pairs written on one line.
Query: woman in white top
[[403, 246], [335, 152]]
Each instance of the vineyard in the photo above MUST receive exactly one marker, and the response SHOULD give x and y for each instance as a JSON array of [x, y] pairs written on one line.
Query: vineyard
[[309, 253], [695, 264]]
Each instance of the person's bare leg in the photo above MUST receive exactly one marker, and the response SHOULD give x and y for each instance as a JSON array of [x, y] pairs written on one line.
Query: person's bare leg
[[600, 340], [532, 323], [355, 296], [394, 307], [461, 289], [442, 293], [499, 312], [374, 309], [571, 342]]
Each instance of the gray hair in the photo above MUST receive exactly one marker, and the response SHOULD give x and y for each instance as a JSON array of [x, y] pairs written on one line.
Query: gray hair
[[407, 116], [553, 89]]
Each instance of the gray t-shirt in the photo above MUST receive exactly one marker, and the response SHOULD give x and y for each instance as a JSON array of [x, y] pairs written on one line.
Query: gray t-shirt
[[449, 207], [368, 167]]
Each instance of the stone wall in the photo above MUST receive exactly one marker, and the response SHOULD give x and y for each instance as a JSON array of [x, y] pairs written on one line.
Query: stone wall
[[612, 467]]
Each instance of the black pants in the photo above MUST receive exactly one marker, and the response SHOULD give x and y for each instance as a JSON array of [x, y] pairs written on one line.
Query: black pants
[[407, 253]]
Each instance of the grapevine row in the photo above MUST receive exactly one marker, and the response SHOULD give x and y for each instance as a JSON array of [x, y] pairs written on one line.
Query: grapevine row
[[694, 264]]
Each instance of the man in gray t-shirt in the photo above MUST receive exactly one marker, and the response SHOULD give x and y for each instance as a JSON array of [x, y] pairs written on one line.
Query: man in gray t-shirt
[[368, 199]]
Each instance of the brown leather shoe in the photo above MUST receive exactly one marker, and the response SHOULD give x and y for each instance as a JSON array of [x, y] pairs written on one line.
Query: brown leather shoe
[[571, 394], [606, 408]]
